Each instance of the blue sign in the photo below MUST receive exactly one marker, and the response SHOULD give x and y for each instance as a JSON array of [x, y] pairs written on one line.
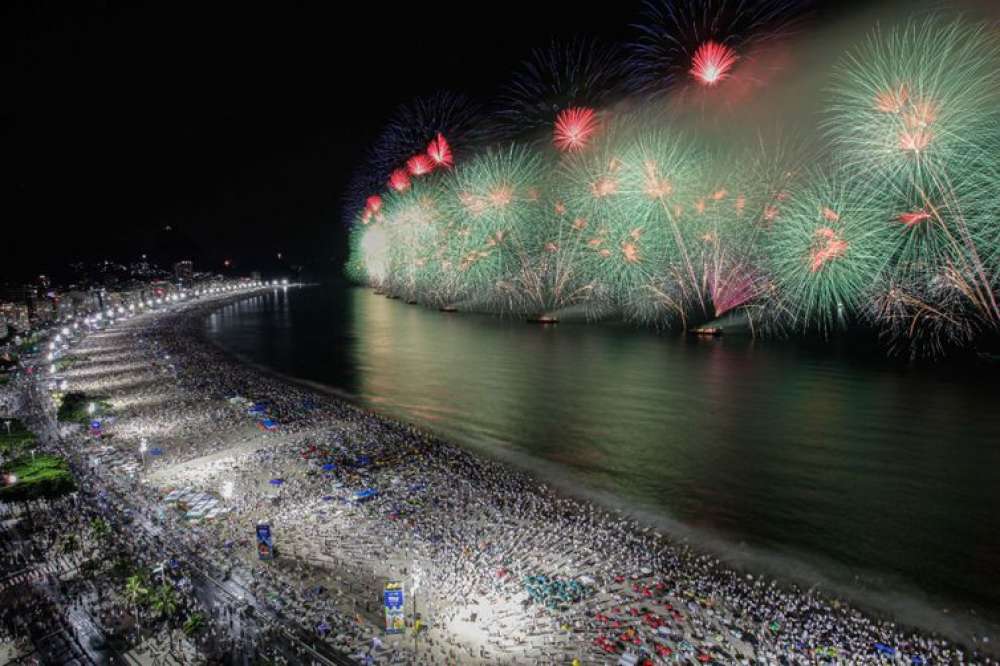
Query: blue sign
[[265, 546], [393, 600]]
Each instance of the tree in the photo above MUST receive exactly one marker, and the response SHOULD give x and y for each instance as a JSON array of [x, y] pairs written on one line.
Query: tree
[[135, 590], [165, 601], [135, 593], [194, 623]]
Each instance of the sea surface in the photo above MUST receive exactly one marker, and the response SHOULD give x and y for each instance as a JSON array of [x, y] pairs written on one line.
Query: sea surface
[[824, 461]]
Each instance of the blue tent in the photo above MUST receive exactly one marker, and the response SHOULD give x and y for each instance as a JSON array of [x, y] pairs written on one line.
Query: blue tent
[[276, 482], [364, 495], [156, 452], [268, 424], [329, 467]]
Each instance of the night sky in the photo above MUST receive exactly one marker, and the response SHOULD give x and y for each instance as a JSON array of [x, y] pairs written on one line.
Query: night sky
[[236, 126]]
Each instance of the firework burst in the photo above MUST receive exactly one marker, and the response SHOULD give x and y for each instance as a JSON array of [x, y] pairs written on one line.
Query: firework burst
[[829, 250], [943, 284], [495, 199], [435, 125], [910, 102], [578, 75], [414, 223], [701, 41], [574, 129], [712, 63], [626, 198]]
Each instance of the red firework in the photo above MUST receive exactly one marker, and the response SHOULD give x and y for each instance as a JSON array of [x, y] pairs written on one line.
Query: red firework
[[733, 289], [574, 128], [604, 187], [656, 187], [399, 180], [501, 196], [440, 152], [915, 141], [373, 203], [418, 165], [892, 101], [913, 218], [828, 245], [711, 63]]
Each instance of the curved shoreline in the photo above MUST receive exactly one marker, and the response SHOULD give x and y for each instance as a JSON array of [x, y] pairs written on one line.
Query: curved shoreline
[[790, 572]]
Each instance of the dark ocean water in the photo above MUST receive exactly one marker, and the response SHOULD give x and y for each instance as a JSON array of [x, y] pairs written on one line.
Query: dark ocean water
[[825, 461]]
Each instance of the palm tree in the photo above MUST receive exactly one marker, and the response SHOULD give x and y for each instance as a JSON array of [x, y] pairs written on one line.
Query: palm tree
[[194, 623], [135, 592], [165, 601]]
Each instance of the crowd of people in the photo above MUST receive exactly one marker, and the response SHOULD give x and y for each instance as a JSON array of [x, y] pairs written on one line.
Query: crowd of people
[[505, 569]]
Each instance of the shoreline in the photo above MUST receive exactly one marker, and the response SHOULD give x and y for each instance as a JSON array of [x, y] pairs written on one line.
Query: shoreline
[[663, 557], [914, 609]]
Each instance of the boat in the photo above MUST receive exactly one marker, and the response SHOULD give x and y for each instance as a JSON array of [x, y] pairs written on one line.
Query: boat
[[707, 331]]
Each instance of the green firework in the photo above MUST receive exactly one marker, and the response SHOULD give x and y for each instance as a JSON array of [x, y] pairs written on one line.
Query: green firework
[[495, 199], [828, 249], [911, 101], [628, 197], [416, 223], [551, 279]]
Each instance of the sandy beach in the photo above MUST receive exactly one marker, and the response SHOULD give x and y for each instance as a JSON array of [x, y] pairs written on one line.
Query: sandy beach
[[506, 569]]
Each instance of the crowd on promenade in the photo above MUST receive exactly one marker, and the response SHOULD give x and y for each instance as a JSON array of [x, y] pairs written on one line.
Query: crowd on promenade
[[509, 569]]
